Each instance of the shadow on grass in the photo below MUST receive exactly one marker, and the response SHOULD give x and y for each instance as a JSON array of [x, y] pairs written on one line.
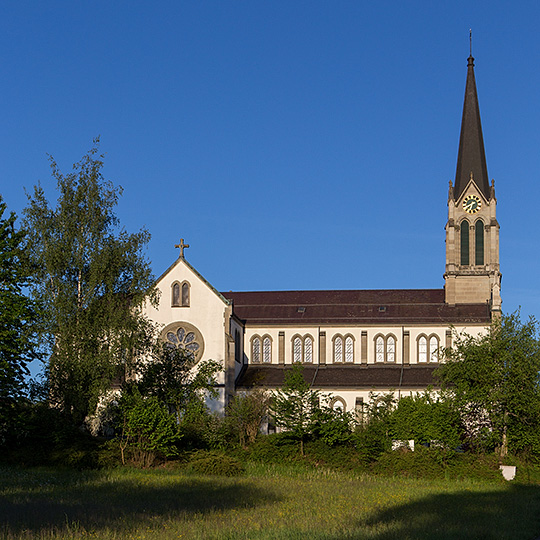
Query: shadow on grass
[[94, 502], [511, 513]]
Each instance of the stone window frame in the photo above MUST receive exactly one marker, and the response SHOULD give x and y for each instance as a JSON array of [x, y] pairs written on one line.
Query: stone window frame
[[181, 300], [263, 340], [385, 338], [464, 254], [430, 352], [338, 399], [479, 242], [476, 242], [188, 327], [344, 338], [303, 340], [237, 348]]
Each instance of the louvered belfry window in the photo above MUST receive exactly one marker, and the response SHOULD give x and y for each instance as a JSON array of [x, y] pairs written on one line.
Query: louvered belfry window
[[479, 243]]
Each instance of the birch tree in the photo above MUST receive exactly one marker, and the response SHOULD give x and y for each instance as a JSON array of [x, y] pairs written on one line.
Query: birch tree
[[92, 278]]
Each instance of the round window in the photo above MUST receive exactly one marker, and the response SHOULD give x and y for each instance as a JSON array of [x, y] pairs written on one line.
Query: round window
[[184, 336]]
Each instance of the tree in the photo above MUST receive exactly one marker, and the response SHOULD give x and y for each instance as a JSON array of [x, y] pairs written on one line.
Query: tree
[[246, 413], [18, 313], [296, 405], [147, 428], [176, 380], [92, 277], [426, 418], [494, 380]]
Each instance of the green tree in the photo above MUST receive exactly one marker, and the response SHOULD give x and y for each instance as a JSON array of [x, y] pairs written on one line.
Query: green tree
[[92, 277], [426, 418], [296, 405], [18, 318], [175, 378], [148, 430], [18, 314], [494, 380], [246, 413]]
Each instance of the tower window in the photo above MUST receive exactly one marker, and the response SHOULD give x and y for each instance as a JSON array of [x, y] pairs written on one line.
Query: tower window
[[175, 294], [464, 243], [479, 243], [185, 294]]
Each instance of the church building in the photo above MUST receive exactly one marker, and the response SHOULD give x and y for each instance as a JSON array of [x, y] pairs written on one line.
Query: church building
[[350, 342]]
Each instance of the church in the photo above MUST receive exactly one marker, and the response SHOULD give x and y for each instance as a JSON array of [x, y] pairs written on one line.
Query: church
[[351, 342]]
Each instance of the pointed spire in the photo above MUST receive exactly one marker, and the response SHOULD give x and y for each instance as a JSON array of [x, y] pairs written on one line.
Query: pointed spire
[[471, 154]]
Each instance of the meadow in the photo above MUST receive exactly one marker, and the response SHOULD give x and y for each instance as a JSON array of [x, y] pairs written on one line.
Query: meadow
[[266, 502]]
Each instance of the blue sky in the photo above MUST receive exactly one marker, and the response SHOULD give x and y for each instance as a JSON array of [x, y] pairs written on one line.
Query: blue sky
[[294, 145]]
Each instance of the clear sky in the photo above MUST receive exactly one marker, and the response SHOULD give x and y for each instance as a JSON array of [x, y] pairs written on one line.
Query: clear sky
[[293, 145]]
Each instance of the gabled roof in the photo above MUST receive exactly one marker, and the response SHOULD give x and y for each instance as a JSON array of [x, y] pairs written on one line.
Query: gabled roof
[[471, 154], [207, 283], [354, 307]]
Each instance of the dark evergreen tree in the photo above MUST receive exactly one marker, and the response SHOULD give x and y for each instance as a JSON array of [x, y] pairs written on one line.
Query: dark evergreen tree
[[18, 315]]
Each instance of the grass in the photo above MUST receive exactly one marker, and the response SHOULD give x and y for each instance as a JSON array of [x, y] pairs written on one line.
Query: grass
[[268, 502]]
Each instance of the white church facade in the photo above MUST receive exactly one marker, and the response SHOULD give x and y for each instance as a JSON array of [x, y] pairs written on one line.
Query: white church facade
[[351, 342]]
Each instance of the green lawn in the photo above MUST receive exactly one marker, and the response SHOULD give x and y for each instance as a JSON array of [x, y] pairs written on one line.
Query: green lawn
[[267, 502]]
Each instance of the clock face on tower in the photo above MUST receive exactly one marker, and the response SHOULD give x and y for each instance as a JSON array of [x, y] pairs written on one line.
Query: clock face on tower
[[471, 204]]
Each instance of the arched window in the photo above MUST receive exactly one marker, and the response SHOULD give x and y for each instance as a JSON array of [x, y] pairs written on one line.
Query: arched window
[[422, 349], [343, 348], [237, 351], [479, 243], [338, 349], [297, 349], [433, 349], [267, 350], [308, 349], [256, 349], [428, 348], [379, 349], [464, 243], [390, 349], [349, 349], [175, 299], [185, 294], [338, 404], [385, 348], [302, 349]]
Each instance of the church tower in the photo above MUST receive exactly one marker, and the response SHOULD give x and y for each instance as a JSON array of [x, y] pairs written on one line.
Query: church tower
[[472, 273]]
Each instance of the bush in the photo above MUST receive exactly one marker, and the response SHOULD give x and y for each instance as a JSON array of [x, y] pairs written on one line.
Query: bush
[[214, 463], [148, 430], [437, 463], [274, 448]]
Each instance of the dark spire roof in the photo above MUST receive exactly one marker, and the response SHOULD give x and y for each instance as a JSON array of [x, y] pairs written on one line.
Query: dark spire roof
[[471, 155]]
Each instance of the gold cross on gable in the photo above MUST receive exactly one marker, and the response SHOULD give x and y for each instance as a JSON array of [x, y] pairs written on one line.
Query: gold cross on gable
[[182, 246]]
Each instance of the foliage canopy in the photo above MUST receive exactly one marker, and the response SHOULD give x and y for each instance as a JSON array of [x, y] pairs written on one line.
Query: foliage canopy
[[494, 380], [91, 278]]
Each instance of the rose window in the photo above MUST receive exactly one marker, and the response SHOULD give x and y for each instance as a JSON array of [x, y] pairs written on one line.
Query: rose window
[[186, 337]]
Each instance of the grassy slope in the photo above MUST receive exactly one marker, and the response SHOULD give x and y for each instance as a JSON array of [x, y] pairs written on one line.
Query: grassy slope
[[270, 502]]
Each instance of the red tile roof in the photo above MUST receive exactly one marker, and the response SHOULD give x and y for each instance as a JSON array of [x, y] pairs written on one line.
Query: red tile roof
[[368, 307]]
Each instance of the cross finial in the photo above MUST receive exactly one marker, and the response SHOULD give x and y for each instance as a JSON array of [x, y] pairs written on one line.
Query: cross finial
[[182, 246], [470, 41]]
